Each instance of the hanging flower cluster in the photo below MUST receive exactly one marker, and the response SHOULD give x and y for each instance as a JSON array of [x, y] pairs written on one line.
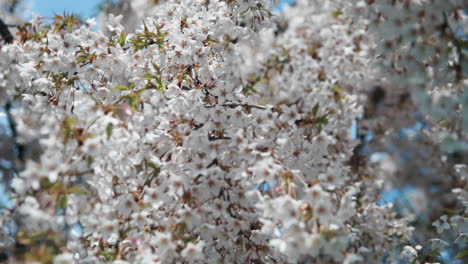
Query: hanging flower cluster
[[216, 132]]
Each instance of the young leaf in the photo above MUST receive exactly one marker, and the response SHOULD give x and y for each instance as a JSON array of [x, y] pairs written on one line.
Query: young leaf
[[121, 88], [315, 109], [109, 129], [462, 254], [149, 76], [63, 202], [122, 39], [77, 190]]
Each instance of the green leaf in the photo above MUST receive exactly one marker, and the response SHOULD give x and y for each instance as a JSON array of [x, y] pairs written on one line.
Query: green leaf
[[149, 76], [315, 109], [337, 13], [63, 202], [122, 88], [122, 38], [450, 211], [56, 188], [45, 183], [156, 67], [338, 94], [77, 190], [321, 121], [161, 87], [133, 101], [328, 234], [248, 89], [150, 164], [143, 40], [183, 228], [108, 255], [434, 254], [109, 129], [245, 11], [90, 161], [462, 254]]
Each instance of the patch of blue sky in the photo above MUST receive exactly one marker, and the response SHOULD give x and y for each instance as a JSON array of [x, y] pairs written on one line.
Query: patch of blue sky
[[76, 230], [10, 228], [4, 200], [461, 33], [354, 129], [6, 164], [448, 256], [434, 189], [48, 8], [377, 156], [368, 137], [84, 8], [3, 118], [265, 186], [396, 195], [283, 4], [412, 132]]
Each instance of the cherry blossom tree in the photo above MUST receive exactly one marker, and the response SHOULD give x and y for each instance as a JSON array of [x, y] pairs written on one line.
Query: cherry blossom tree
[[212, 131]]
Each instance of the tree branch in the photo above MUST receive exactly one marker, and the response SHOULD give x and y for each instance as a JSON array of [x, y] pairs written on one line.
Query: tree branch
[[5, 32]]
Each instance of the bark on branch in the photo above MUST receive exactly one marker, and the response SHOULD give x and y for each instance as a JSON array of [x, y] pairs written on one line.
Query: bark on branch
[[5, 32]]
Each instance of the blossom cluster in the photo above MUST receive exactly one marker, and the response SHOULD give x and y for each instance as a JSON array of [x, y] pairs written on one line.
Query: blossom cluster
[[216, 132]]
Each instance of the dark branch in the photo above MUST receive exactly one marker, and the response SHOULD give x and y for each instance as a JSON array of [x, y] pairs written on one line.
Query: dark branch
[[5, 32]]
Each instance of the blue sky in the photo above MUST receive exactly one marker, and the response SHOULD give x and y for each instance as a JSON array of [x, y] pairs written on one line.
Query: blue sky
[[283, 3], [84, 8]]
